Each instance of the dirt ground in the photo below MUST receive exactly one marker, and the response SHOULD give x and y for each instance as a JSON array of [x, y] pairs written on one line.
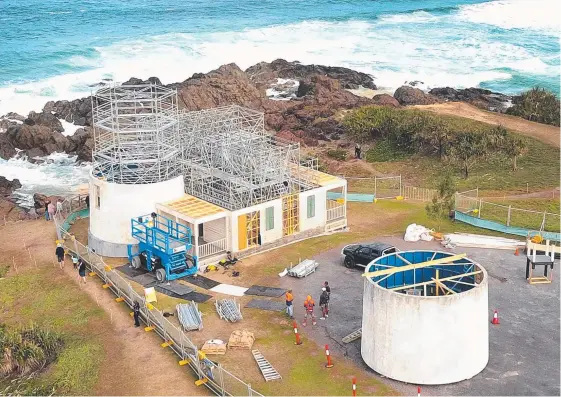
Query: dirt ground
[[546, 133], [129, 352]]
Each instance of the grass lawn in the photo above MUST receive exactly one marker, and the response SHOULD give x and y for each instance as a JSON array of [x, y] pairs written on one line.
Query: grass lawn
[[539, 168], [57, 305]]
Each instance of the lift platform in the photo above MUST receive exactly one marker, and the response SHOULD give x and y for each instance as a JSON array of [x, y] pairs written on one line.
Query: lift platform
[[163, 246]]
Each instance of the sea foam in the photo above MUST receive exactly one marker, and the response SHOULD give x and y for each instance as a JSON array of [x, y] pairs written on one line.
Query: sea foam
[[446, 51]]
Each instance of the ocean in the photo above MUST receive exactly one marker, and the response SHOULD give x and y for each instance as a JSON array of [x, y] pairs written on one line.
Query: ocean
[[60, 49]]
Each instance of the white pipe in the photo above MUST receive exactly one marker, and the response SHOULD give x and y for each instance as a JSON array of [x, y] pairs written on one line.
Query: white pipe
[[534, 255], [547, 247], [552, 252]]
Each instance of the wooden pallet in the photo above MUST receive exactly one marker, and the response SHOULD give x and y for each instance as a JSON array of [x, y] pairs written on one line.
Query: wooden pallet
[[269, 373], [353, 336]]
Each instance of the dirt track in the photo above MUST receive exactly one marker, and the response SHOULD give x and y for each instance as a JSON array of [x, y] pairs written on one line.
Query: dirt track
[[545, 133]]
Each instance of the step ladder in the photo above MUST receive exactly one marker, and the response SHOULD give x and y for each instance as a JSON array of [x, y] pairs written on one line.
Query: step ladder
[[269, 373], [353, 336]]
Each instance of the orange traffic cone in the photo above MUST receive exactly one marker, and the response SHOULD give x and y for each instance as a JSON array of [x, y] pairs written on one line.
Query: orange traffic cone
[[516, 252], [495, 318]]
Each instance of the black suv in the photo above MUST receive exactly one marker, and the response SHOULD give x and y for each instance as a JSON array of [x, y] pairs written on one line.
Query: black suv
[[362, 254]]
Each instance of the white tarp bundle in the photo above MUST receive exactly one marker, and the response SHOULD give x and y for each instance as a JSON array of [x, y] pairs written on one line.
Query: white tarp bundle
[[478, 241], [416, 232]]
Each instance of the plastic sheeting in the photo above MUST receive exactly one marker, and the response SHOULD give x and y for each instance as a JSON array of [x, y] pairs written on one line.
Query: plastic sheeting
[[478, 241], [416, 232]]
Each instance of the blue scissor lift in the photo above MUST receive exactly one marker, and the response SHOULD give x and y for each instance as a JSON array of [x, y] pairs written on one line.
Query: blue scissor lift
[[162, 247]]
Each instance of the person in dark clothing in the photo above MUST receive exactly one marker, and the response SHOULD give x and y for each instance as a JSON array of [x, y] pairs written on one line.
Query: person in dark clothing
[[88, 201], [59, 252], [82, 270], [136, 313], [357, 151], [323, 302], [47, 210], [328, 290]]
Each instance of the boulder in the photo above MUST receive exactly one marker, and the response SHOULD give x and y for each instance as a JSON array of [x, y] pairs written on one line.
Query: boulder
[[7, 186], [407, 95], [227, 85], [46, 119], [385, 100]]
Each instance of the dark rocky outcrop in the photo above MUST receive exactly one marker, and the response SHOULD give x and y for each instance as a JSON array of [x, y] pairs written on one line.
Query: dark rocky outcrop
[[78, 111], [45, 119], [264, 73], [407, 95], [484, 99], [7, 187]]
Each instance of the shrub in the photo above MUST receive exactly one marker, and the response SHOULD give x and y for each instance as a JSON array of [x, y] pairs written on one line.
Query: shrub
[[538, 105], [337, 154], [4, 270], [27, 350], [383, 151]]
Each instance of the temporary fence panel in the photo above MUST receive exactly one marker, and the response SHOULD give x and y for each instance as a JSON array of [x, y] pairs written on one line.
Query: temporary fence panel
[[380, 187], [418, 193], [218, 380]]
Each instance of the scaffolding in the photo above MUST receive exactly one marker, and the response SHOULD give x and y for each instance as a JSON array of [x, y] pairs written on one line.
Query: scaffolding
[[136, 137], [230, 161], [224, 154]]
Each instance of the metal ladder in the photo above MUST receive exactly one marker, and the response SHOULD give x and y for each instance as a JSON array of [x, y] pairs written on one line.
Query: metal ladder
[[353, 336], [269, 373]]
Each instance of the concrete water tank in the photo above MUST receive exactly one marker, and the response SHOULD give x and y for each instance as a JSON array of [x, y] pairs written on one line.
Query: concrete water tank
[[417, 333]]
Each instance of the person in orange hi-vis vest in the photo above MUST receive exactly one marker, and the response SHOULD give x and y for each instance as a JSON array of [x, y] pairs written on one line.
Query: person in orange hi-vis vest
[[309, 306], [289, 307]]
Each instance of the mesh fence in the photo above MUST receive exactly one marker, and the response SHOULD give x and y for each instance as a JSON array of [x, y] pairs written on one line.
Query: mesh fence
[[507, 215], [381, 187], [218, 380]]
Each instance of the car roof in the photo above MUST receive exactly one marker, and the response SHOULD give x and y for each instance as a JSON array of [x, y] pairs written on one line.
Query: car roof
[[378, 246]]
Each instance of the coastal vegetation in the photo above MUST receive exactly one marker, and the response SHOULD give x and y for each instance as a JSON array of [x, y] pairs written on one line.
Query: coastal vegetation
[[537, 104], [433, 143]]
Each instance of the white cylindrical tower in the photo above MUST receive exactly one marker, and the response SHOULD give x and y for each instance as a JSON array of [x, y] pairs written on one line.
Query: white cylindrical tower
[[417, 331], [137, 161]]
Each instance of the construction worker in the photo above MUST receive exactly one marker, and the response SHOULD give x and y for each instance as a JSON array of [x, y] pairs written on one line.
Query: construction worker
[[136, 313], [309, 306], [323, 302], [289, 308]]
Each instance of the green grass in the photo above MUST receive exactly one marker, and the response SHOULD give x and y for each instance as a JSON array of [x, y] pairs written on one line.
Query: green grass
[[45, 297], [538, 169], [385, 151], [309, 375]]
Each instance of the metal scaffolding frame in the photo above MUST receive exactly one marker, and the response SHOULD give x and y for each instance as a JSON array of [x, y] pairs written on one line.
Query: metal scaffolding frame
[[229, 160], [136, 136], [224, 154]]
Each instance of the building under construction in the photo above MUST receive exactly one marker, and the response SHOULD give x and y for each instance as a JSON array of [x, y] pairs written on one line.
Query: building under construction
[[216, 171]]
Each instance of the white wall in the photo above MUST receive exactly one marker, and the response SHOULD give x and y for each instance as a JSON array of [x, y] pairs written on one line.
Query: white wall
[[425, 340], [266, 235], [120, 202], [319, 218], [214, 230]]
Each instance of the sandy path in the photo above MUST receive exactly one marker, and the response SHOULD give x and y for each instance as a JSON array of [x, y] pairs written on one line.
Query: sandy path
[[134, 363], [545, 133]]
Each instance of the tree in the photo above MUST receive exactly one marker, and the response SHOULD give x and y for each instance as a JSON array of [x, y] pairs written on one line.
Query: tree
[[514, 147], [435, 136], [467, 148], [537, 105], [443, 202]]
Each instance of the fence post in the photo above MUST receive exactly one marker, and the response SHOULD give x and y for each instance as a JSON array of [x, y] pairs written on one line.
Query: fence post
[[542, 228], [400, 191], [479, 210], [508, 216]]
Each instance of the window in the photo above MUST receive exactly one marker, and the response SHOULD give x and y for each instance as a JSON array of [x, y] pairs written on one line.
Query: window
[[311, 206], [97, 197], [364, 251], [270, 218]]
